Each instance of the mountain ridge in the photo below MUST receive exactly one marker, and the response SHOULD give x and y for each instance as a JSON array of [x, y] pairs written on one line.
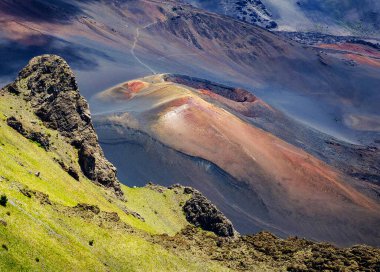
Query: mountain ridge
[[78, 225], [189, 125], [332, 17], [284, 73]]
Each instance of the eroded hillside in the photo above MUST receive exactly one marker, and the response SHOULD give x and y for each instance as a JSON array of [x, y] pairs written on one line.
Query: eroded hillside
[[54, 218], [209, 136]]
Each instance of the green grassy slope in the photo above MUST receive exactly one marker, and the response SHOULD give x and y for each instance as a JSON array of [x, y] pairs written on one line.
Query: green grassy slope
[[38, 236], [53, 222]]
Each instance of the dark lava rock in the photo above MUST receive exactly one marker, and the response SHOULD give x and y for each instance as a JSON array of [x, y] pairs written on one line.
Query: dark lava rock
[[40, 138], [42, 197], [234, 94], [69, 169], [134, 214], [16, 125], [26, 192], [86, 207], [12, 89], [74, 174], [189, 190], [53, 93], [202, 213], [37, 137], [111, 217]]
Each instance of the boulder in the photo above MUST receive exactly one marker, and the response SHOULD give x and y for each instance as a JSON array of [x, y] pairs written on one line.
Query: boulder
[[200, 212]]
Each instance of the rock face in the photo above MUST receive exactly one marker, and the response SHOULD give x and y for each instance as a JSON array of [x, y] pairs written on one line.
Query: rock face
[[202, 213], [50, 86]]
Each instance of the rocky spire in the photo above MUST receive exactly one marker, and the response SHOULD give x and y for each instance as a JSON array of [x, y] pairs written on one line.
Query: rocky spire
[[50, 86]]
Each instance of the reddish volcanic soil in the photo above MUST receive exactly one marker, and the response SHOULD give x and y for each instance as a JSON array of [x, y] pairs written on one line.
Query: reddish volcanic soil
[[300, 194], [203, 130], [355, 48], [126, 91], [134, 86], [363, 60], [359, 53]]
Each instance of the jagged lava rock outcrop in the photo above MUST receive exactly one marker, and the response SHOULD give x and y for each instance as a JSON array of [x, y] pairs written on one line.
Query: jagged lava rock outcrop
[[49, 84], [202, 213]]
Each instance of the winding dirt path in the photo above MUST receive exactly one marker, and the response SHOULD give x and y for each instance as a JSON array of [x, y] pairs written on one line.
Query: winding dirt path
[[136, 41]]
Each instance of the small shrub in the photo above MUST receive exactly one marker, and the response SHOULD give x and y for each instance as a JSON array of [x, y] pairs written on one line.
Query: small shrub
[[37, 260], [4, 247], [91, 243], [9, 213], [3, 200]]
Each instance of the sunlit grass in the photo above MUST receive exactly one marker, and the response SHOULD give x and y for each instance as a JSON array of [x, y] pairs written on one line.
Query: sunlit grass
[[42, 238]]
